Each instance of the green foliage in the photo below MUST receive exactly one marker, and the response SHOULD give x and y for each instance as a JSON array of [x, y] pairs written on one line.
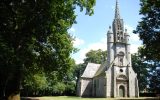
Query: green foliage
[[59, 87], [71, 88], [147, 72], [149, 32], [149, 28], [154, 77], [35, 82], [155, 81], [79, 69], [34, 37], [95, 56], [140, 67]]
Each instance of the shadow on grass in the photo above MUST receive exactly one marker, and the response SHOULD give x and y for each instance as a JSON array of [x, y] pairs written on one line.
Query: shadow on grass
[[29, 98]]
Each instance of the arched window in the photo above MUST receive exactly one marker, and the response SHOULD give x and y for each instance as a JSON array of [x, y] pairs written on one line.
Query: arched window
[[121, 38], [121, 91], [118, 38], [121, 61], [120, 58]]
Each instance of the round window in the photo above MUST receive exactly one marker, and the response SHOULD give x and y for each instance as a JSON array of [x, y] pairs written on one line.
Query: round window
[[121, 70]]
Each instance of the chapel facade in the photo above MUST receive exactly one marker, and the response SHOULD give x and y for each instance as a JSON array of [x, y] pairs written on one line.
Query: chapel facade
[[115, 77]]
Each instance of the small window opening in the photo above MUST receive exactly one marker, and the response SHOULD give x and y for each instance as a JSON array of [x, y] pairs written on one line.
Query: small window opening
[[121, 70]]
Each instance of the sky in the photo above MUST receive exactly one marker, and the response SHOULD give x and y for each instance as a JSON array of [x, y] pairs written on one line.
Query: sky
[[90, 31]]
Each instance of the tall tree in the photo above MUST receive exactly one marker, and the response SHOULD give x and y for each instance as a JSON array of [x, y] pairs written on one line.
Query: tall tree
[[34, 33], [147, 72], [141, 68], [149, 32], [155, 81], [95, 56], [154, 77], [149, 28]]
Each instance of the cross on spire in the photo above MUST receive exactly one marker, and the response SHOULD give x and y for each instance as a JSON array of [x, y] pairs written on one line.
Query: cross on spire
[[117, 14]]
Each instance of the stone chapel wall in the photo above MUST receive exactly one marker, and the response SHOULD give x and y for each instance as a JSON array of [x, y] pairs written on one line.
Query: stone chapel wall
[[132, 82], [86, 87], [100, 86]]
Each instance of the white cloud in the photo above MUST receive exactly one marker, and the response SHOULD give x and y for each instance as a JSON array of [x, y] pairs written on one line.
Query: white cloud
[[102, 44], [113, 7], [72, 30], [134, 48], [129, 28], [134, 39], [78, 42]]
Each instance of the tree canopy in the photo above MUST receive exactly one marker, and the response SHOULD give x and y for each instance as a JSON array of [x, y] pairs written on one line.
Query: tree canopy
[[34, 37], [140, 67], [149, 32], [147, 72], [95, 56], [149, 28]]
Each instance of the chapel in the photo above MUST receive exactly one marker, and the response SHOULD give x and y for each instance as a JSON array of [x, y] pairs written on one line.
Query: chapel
[[115, 77]]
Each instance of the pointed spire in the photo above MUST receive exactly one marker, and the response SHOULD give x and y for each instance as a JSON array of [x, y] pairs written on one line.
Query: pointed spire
[[110, 30], [117, 14]]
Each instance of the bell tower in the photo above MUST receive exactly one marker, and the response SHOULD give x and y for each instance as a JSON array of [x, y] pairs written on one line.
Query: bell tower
[[122, 80], [118, 25]]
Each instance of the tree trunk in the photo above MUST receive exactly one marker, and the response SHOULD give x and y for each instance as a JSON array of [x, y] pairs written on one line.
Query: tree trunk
[[13, 85], [14, 96]]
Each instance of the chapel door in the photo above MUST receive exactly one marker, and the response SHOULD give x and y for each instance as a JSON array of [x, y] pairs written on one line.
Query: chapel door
[[121, 91]]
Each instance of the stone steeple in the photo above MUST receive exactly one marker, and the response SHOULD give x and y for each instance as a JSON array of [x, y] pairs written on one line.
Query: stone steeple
[[117, 14], [118, 25], [119, 61]]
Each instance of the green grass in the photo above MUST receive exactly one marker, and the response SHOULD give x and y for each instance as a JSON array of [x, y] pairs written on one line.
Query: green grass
[[70, 98], [79, 98]]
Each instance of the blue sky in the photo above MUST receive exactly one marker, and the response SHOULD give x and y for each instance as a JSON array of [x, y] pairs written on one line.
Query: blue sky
[[90, 31]]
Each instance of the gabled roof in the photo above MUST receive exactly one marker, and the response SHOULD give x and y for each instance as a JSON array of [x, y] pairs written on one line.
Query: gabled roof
[[90, 70], [102, 69]]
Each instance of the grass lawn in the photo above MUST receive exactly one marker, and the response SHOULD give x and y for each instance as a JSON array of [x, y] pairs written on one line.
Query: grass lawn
[[79, 98], [70, 98]]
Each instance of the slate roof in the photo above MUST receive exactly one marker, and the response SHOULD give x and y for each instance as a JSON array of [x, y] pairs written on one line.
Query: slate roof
[[102, 69], [90, 70]]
